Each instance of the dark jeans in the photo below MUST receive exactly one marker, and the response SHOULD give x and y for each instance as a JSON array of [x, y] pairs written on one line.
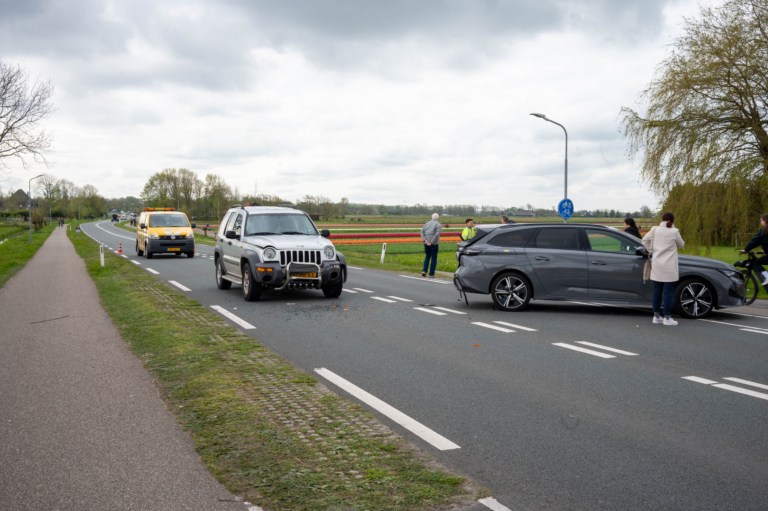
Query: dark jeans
[[668, 289], [431, 252]]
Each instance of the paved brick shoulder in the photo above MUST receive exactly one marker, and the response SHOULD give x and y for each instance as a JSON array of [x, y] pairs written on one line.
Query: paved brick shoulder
[[82, 426]]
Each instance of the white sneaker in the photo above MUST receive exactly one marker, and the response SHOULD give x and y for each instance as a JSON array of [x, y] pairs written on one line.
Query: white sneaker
[[657, 320], [670, 322], [765, 282]]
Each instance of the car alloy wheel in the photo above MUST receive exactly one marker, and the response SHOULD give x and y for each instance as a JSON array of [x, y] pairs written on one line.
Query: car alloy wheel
[[695, 299], [220, 282], [510, 292]]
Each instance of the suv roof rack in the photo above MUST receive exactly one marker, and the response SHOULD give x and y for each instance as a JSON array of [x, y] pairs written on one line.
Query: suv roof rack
[[286, 206]]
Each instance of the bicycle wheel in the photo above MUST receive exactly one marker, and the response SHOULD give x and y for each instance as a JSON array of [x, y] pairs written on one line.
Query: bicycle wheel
[[753, 287]]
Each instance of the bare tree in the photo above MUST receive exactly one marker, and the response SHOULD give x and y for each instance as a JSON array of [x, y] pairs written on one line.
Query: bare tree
[[22, 106]]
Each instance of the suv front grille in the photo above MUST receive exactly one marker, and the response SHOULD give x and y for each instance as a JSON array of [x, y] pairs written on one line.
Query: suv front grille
[[299, 256]]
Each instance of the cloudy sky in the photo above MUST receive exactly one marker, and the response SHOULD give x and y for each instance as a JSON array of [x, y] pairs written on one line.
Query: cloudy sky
[[391, 102]]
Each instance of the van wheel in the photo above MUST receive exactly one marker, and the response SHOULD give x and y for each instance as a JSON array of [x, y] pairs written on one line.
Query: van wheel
[[221, 283], [333, 291], [511, 291], [251, 288], [139, 252], [191, 254], [694, 299], [147, 252]]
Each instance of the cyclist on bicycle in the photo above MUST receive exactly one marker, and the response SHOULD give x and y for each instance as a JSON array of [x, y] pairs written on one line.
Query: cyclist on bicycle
[[760, 240]]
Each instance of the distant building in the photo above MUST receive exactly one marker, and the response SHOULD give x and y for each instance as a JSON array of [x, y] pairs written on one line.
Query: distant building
[[526, 214], [21, 198]]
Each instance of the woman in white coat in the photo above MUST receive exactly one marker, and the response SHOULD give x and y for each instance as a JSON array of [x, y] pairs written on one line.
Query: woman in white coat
[[663, 241]]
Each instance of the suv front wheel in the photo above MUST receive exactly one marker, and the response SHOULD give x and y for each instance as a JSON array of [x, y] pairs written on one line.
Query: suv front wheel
[[251, 288], [333, 290]]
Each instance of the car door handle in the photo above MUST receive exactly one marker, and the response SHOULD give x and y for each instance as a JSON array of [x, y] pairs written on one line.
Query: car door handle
[[542, 258], [601, 263]]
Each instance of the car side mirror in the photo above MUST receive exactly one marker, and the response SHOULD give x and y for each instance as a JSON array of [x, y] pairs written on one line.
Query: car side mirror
[[325, 233], [142, 226], [230, 235], [641, 251], [194, 225]]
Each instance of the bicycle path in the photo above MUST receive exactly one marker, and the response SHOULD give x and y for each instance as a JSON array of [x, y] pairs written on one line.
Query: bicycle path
[[82, 425]]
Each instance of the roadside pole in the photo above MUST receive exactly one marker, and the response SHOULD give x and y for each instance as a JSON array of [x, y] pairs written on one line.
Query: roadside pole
[[383, 251], [101, 254]]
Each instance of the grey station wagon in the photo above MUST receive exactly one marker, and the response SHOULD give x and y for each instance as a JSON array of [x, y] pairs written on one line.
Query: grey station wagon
[[517, 263]]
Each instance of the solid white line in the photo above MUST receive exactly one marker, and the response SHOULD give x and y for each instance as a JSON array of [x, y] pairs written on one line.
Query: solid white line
[[747, 382], [349, 291], [112, 233], [424, 279], [354, 267], [494, 327], [450, 310], [748, 392], [607, 348], [493, 504], [583, 350], [742, 314], [699, 380], [183, 288], [135, 262], [401, 299], [224, 312], [396, 415], [732, 324], [753, 331], [150, 270], [383, 299], [436, 313], [516, 326], [363, 290]]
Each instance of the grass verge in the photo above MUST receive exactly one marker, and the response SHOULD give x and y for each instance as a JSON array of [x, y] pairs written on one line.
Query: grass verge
[[268, 431], [16, 251]]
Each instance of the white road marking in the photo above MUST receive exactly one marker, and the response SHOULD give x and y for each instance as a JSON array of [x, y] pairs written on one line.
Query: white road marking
[[150, 270], [699, 380], [123, 255], [354, 267], [747, 382], [450, 310], [436, 313], [748, 392], [424, 279], [135, 262], [349, 291], [733, 324], [583, 350], [607, 348], [742, 314], [383, 299], [224, 312], [753, 331], [401, 299], [112, 233], [516, 326], [493, 504], [437, 440], [363, 290], [183, 288], [494, 327]]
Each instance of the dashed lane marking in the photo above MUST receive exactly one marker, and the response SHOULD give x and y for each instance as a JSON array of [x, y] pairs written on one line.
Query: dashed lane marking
[[583, 350], [493, 504], [424, 279], [699, 380], [150, 270], [516, 326], [401, 299], [415, 427], [135, 262], [224, 312], [755, 328], [349, 291], [450, 310], [493, 327], [384, 299], [363, 290], [740, 390], [182, 287], [753, 331], [436, 313], [747, 382], [124, 256], [732, 388], [606, 348]]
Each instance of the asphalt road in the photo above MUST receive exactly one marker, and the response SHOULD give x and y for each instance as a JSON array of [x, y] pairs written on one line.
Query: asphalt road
[[542, 424]]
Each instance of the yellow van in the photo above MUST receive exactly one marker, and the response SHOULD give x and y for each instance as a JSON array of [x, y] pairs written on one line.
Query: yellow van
[[164, 231]]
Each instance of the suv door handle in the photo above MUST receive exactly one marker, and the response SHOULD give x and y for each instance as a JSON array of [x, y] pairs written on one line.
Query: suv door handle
[[542, 258], [601, 263]]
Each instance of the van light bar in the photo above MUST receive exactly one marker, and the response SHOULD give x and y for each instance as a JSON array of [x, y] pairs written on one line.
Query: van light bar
[[159, 209]]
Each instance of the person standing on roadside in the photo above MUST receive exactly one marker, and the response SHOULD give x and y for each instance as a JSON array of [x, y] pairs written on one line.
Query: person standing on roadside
[[663, 241], [430, 236], [631, 228], [469, 231], [760, 239], [504, 219]]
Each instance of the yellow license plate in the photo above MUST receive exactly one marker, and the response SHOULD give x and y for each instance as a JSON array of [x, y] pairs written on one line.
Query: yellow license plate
[[174, 249], [304, 275]]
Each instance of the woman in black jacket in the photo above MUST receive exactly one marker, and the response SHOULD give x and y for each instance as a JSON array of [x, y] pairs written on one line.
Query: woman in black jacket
[[760, 240], [631, 228]]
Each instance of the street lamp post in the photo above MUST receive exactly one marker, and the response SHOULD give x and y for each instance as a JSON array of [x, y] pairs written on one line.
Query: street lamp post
[[178, 208], [29, 206], [542, 116]]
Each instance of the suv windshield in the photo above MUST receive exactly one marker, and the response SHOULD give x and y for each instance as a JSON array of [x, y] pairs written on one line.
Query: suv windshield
[[279, 223], [177, 220]]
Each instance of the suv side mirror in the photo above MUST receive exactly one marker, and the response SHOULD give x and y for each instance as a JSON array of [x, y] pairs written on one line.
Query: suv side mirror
[[142, 226], [641, 251], [325, 233], [194, 225], [231, 235]]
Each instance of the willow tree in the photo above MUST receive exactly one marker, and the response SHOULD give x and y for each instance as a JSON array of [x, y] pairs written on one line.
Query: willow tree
[[702, 133]]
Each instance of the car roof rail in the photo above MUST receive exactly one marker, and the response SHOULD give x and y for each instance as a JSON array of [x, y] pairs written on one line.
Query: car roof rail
[[286, 206]]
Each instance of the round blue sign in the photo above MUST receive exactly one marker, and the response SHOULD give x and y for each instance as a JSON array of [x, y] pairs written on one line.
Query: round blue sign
[[565, 208]]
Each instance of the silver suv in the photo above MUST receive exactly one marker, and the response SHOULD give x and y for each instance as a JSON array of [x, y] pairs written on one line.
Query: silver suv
[[276, 248]]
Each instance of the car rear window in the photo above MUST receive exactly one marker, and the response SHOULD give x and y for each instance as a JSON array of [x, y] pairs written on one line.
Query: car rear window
[[517, 238], [561, 238]]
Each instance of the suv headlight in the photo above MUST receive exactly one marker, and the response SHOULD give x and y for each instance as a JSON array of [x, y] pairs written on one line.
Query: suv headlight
[[270, 253], [328, 252]]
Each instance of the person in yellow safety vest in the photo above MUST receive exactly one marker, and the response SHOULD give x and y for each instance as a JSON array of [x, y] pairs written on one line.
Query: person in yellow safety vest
[[469, 231]]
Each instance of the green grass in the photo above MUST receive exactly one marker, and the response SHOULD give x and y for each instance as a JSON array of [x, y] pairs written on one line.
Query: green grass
[[17, 251], [8, 229], [241, 404]]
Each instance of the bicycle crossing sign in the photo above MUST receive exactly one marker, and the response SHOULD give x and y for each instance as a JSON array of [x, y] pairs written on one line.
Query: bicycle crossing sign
[[565, 208]]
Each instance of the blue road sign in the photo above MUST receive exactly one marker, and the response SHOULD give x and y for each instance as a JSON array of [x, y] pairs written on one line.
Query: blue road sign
[[565, 208]]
